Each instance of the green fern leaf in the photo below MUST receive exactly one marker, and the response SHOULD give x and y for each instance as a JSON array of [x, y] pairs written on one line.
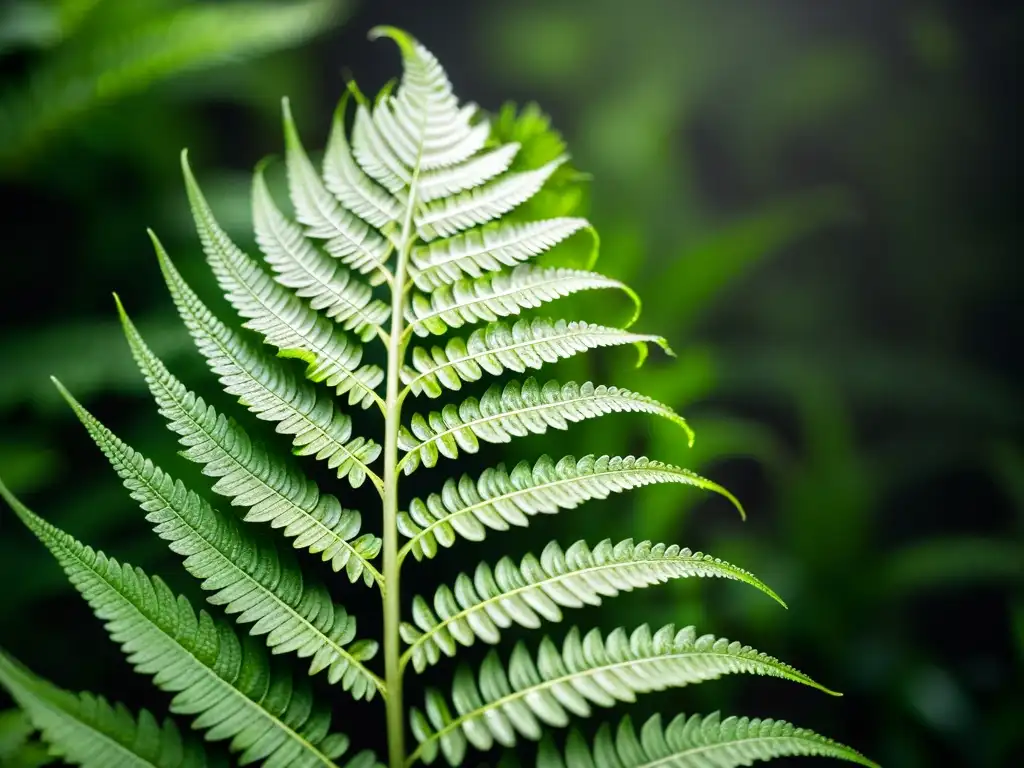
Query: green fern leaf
[[452, 215], [86, 730], [349, 184], [516, 410], [500, 294], [281, 317], [274, 492], [446, 182], [348, 238], [269, 390], [226, 684], [695, 742], [313, 275], [478, 251], [536, 590], [589, 670], [247, 576], [500, 499], [498, 347]]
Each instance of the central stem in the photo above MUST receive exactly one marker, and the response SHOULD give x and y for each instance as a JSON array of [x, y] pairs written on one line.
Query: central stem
[[392, 421]]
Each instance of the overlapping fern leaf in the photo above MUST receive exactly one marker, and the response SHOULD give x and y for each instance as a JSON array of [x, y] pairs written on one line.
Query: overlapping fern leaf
[[588, 671], [245, 574], [423, 220], [692, 742], [227, 684], [88, 731]]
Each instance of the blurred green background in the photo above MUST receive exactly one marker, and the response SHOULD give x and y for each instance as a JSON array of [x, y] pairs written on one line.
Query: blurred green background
[[816, 201]]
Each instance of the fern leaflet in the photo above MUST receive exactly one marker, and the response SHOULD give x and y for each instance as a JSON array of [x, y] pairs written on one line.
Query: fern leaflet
[[695, 742], [515, 411], [538, 588], [499, 347], [500, 499], [589, 670]]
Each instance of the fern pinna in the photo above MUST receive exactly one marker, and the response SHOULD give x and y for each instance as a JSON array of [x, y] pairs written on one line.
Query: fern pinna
[[419, 224]]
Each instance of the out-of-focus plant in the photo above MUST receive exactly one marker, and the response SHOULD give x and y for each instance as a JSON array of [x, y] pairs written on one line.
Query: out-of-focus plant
[[96, 51]]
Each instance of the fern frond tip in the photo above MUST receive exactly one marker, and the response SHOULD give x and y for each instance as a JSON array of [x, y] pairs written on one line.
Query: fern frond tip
[[68, 397], [32, 521], [352, 87], [261, 167], [402, 39], [157, 245], [291, 133]]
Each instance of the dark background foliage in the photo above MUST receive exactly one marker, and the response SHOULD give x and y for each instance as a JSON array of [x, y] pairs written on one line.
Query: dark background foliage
[[817, 203]]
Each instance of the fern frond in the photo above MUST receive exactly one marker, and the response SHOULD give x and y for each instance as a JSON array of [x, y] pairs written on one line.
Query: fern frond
[[588, 670], [225, 683], [516, 410], [501, 294], [247, 576], [500, 499], [270, 391], [537, 589], [348, 238], [251, 477], [86, 730], [278, 315], [498, 347], [488, 248], [427, 201], [695, 742], [312, 274]]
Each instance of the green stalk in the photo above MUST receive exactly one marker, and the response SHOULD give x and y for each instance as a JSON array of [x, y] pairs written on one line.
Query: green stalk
[[392, 565]]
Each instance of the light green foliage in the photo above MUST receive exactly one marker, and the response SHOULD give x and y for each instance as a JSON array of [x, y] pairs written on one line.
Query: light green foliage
[[226, 683], [693, 742], [500, 499], [481, 605], [269, 389], [499, 347], [516, 410], [247, 575], [420, 222], [88, 731], [589, 670], [500, 295], [273, 491]]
